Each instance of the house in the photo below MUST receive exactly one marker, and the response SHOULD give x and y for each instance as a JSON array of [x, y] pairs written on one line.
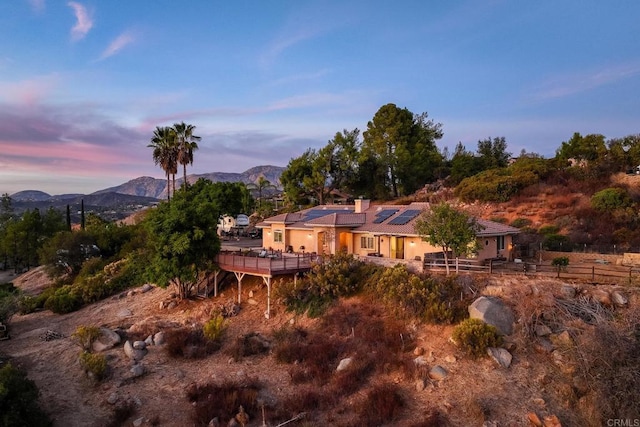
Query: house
[[371, 230]]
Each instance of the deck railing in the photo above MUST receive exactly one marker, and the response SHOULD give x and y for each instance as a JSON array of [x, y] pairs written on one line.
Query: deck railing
[[271, 263]]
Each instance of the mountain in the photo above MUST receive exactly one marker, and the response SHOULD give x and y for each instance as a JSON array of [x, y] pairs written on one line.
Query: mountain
[[157, 188]]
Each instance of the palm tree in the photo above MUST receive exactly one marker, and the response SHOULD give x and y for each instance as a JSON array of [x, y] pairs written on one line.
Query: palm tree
[[165, 154], [187, 144], [262, 184]]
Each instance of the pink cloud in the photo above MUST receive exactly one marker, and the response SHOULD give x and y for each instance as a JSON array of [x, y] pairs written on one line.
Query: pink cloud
[[117, 45], [28, 92], [84, 22]]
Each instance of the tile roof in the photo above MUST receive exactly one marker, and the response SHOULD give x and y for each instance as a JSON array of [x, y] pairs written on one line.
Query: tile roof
[[492, 228]]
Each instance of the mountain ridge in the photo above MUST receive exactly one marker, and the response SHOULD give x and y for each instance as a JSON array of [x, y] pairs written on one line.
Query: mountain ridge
[[156, 188]]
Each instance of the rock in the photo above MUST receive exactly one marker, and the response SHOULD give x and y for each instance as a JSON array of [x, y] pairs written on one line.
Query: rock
[[139, 345], [137, 370], [420, 384], [438, 373], [172, 304], [215, 422], [494, 312], [149, 341], [107, 339], [158, 339], [133, 353], [146, 288], [112, 399], [543, 345], [534, 419], [138, 422], [131, 293], [233, 423], [250, 294], [500, 355], [543, 330], [418, 351], [602, 296], [431, 358], [251, 301], [450, 359], [344, 364], [568, 291], [619, 298], [125, 312]]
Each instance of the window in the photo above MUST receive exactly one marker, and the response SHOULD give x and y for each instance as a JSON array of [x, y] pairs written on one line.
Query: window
[[366, 242], [500, 242], [277, 236]]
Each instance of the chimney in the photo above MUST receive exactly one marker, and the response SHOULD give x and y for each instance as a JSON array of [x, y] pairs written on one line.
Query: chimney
[[362, 205]]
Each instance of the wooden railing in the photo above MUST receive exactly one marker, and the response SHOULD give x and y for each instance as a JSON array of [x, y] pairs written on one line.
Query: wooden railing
[[272, 263], [596, 273]]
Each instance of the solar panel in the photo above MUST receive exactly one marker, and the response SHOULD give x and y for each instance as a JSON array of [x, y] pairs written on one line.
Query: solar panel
[[319, 213], [383, 215], [405, 217]]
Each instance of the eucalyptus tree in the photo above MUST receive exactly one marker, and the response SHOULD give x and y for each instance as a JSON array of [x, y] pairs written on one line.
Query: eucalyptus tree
[[187, 143], [165, 154]]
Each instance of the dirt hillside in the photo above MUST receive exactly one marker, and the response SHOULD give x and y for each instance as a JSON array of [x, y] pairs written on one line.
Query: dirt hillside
[[474, 391]]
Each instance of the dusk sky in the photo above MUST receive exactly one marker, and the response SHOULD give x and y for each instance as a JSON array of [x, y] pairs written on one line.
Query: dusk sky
[[83, 84]]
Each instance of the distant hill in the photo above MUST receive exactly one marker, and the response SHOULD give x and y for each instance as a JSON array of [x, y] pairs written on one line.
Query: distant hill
[[157, 188]]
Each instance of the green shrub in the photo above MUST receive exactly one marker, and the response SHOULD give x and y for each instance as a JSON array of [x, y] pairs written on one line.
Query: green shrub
[[561, 261], [474, 337], [214, 328], [19, 400], [547, 230], [338, 275], [431, 299], [521, 222], [94, 364], [557, 242], [611, 199], [64, 300], [84, 336]]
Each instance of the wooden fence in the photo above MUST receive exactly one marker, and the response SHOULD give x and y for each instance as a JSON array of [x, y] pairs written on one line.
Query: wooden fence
[[597, 273]]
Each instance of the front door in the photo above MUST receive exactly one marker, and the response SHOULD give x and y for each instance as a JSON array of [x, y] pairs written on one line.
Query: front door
[[397, 247]]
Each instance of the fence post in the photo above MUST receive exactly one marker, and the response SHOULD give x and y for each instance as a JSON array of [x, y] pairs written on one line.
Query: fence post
[[457, 266], [593, 273], [490, 266]]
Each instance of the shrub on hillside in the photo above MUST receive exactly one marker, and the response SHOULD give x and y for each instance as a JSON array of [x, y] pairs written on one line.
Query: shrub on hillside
[[381, 406], [336, 276], [64, 300], [557, 242], [222, 401], [611, 199], [84, 336], [214, 328], [474, 337], [94, 365], [431, 299], [189, 343], [19, 400]]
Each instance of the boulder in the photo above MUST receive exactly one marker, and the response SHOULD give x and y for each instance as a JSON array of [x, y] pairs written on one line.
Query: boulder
[[139, 345], [149, 340], [146, 288], [420, 384], [619, 298], [418, 351], [500, 355], [438, 373], [107, 339], [420, 361], [137, 370], [344, 364], [125, 312], [158, 339], [132, 353], [494, 312]]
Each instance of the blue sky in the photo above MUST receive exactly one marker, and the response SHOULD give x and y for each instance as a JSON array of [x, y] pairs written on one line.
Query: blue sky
[[84, 83]]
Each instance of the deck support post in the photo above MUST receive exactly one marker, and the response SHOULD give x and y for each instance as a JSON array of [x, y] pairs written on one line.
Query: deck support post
[[267, 281], [215, 283], [239, 276]]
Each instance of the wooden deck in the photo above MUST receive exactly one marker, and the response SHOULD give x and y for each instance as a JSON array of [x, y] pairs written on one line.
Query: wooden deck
[[275, 266]]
